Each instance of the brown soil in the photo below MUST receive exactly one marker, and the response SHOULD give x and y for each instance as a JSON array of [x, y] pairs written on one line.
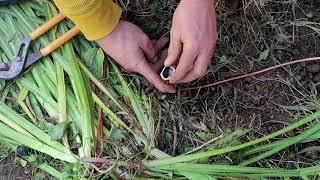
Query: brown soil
[[246, 30], [12, 170]]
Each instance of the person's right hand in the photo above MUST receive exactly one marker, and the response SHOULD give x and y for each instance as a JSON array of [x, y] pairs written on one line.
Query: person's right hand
[[133, 50], [193, 37]]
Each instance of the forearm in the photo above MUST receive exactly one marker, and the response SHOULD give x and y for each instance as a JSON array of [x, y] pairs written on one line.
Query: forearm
[[95, 18]]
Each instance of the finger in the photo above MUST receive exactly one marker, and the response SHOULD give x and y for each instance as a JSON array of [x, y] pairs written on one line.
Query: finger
[[157, 67], [154, 78], [162, 43], [175, 49], [159, 64], [160, 46], [200, 68], [186, 63], [148, 47]]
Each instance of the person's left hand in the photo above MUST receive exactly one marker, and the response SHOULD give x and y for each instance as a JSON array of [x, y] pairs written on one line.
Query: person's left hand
[[193, 37], [130, 47]]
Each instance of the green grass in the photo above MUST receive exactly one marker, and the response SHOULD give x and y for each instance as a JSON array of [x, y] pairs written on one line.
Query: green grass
[[56, 110]]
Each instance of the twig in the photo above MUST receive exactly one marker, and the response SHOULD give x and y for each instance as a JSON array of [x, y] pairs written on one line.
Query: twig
[[106, 161], [30, 107], [103, 88], [205, 144], [175, 137], [251, 74], [100, 169], [100, 120]]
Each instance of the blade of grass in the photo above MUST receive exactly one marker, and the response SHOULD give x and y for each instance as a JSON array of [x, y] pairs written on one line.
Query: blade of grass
[[35, 144], [228, 170], [105, 90], [287, 143], [186, 158], [136, 105], [62, 100], [116, 120], [32, 129]]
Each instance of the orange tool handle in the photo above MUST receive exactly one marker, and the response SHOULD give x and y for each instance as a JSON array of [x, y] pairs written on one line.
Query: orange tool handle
[[60, 41], [46, 26]]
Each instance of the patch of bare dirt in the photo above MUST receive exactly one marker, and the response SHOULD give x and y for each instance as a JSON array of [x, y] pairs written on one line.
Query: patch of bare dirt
[[252, 35], [12, 170]]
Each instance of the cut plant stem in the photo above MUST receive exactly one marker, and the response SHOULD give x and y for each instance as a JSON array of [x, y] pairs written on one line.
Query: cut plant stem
[[117, 121], [238, 171], [105, 90], [62, 100], [35, 144], [287, 143], [191, 157]]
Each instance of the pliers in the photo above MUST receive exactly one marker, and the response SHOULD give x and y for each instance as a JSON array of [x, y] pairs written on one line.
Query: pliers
[[22, 61]]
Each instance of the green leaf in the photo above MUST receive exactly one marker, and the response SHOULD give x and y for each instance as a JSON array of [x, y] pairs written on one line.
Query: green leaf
[[34, 160], [2, 84], [295, 108], [195, 176], [58, 131], [115, 134], [39, 176], [224, 60], [230, 137], [264, 55], [94, 59], [311, 138], [205, 136], [310, 149]]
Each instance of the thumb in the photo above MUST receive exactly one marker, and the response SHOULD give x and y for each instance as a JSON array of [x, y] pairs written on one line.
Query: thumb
[[175, 49], [153, 77]]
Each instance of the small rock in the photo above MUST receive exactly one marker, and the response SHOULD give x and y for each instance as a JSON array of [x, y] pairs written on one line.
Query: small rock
[[313, 68], [309, 15], [304, 83], [248, 80], [257, 87], [298, 77], [291, 80]]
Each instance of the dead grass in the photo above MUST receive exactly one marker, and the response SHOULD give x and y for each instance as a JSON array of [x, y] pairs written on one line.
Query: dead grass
[[253, 34]]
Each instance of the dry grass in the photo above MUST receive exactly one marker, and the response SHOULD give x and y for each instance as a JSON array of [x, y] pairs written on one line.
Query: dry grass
[[252, 35]]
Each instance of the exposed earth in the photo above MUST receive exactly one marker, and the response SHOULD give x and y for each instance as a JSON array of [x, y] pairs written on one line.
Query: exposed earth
[[253, 34]]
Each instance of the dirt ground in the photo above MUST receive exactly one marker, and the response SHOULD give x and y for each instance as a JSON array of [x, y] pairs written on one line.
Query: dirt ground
[[10, 169], [253, 34]]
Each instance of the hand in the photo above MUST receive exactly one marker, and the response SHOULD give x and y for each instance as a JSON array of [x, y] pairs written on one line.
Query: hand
[[193, 37], [133, 50]]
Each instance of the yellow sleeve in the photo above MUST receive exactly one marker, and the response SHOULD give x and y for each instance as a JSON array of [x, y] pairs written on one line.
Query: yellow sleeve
[[95, 18]]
